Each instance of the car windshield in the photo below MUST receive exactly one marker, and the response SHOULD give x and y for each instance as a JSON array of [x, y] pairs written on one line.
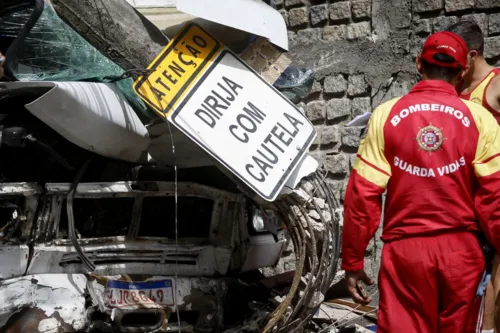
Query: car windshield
[[53, 51]]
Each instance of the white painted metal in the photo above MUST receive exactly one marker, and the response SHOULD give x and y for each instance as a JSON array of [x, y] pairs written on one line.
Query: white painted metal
[[152, 3], [14, 260], [219, 136], [248, 15], [61, 293], [263, 251], [130, 190], [94, 116], [126, 257]]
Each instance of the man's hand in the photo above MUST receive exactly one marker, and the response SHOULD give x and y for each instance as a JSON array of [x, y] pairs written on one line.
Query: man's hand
[[352, 279]]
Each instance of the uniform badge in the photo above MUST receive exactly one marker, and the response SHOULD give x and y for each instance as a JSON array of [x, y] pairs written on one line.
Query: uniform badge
[[430, 138]]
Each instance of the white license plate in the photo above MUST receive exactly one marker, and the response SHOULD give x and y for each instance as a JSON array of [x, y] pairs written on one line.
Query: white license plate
[[125, 294]]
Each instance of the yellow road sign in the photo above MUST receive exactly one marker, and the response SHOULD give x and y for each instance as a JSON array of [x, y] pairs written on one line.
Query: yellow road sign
[[181, 62]]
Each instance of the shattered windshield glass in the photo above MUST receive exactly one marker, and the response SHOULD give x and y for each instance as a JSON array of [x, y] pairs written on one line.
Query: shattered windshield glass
[[52, 51]]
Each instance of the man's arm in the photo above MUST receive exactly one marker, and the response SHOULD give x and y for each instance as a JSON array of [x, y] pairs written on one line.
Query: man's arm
[[487, 171], [493, 93], [363, 198]]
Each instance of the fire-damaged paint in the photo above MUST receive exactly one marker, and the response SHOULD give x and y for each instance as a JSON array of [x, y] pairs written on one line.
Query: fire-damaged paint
[[45, 288], [59, 303]]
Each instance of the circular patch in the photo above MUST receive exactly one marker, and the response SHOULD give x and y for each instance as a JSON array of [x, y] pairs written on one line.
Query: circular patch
[[476, 100], [430, 138]]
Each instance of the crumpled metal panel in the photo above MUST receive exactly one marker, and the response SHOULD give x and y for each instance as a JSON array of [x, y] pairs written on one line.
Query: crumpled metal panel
[[60, 297], [14, 260]]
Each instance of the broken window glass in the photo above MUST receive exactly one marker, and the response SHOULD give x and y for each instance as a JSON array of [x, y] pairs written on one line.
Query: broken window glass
[[11, 23], [53, 51]]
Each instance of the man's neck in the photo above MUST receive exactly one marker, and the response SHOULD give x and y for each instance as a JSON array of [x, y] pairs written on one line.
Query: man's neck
[[481, 70]]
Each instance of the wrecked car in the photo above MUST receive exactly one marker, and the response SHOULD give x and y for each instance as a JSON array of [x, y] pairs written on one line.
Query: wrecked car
[[127, 226]]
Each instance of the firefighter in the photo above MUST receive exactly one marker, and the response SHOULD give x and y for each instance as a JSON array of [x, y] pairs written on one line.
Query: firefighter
[[482, 85], [439, 158]]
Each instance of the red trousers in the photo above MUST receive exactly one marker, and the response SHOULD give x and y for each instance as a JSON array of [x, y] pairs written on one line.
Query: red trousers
[[428, 285]]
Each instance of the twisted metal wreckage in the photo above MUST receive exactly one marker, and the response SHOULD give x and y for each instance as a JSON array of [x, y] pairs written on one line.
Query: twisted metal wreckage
[[114, 221]]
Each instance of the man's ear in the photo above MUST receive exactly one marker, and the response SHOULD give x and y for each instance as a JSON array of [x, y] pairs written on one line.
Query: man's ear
[[418, 63], [473, 54]]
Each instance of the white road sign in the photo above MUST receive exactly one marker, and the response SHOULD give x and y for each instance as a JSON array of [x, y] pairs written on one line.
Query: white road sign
[[246, 124]]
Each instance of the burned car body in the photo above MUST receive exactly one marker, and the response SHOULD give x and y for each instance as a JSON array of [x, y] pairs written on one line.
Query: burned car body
[[128, 234], [160, 243]]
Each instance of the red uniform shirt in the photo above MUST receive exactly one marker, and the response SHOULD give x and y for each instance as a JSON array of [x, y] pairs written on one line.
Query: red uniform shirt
[[438, 157], [478, 95]]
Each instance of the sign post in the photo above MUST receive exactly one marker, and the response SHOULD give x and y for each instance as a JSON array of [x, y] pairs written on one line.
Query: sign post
[[237, 117]]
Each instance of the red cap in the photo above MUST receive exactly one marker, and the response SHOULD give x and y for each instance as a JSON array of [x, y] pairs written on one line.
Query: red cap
[[448, 44]]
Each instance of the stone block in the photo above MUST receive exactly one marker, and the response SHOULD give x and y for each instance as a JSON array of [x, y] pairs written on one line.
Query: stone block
[[319, 14], [291, 3], [358, 30], [317, 141], [357, 85], [289, 264], [278, 3], [494, 24], [297, 17], [487, 4], [315, 110], [443, 22], [352, 159], [284, 13], [335, 84], [351, 137], [422, 27], [340, 11], [335, 32], [338, 188], [316, 88], [423, 6], [480, 19], [337, 164], [309, 35], [360, 105], [416, 46], [361, 9], [330, 134], [492, 47], [457, 5], [337, 108]]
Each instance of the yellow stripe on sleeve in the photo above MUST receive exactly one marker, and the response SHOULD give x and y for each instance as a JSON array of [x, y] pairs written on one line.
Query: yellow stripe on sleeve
[[487, 158], [371, 162], [370, 173]]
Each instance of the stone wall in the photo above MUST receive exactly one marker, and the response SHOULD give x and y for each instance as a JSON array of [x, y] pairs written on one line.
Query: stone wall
[[363, 53]]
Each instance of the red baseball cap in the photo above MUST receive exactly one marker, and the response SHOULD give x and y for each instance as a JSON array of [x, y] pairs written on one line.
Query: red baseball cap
[[445, 49]]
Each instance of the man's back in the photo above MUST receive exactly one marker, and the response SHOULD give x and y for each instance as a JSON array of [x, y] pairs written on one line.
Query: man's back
[[431, 138]]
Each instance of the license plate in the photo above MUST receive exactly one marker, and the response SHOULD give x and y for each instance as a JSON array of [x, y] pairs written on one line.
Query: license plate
[[125, 294]]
